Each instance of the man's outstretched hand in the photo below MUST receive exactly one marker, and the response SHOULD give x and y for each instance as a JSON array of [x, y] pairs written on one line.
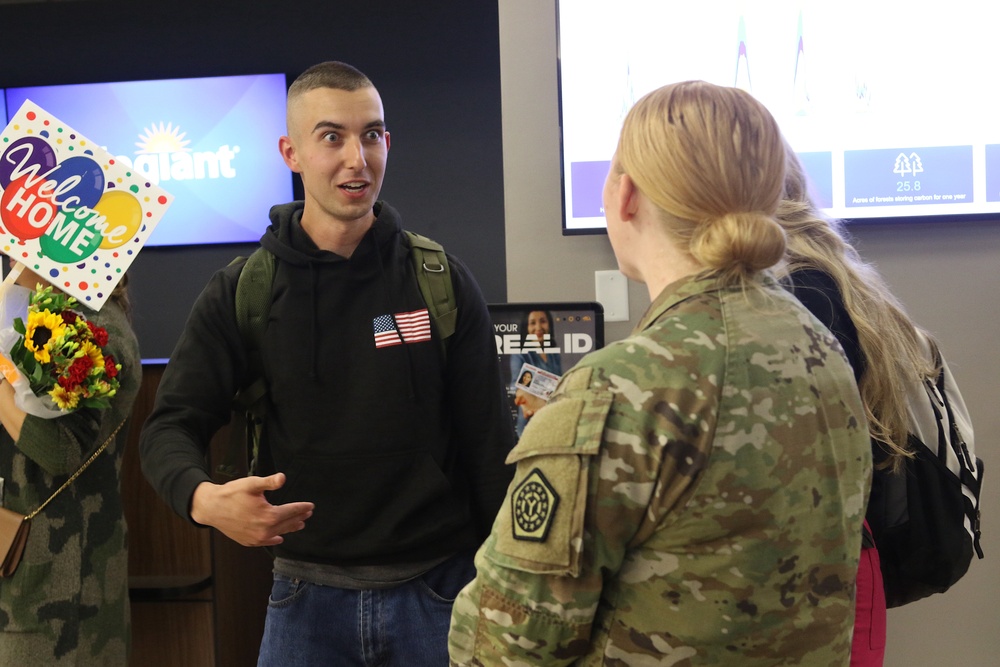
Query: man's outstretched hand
[[241, 512]]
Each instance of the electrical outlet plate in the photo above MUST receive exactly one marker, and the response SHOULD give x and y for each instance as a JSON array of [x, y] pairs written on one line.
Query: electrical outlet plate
[[611, 288]]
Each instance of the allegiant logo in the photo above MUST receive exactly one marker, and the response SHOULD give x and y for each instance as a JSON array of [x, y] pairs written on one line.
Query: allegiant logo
[[164, 155]]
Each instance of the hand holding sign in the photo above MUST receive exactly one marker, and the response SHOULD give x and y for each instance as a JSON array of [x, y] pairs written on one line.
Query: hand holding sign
[[69, 211]]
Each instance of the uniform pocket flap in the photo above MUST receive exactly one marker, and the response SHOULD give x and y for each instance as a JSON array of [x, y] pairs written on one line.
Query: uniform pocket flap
[[540, 527], [568, 425]]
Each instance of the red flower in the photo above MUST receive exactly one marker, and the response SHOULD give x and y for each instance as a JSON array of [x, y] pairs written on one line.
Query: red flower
[[100, 334], [109, 366], [69, 316], [77, 372]]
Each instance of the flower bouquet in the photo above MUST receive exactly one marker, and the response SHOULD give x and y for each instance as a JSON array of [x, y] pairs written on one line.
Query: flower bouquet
[[60, 358]]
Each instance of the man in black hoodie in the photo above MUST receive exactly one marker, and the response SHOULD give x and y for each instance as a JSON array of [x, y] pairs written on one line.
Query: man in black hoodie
[[382, 462]]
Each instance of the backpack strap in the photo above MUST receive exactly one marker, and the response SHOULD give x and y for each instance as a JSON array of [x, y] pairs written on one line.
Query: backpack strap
[[253, 305], [968, 463], [434, 278]]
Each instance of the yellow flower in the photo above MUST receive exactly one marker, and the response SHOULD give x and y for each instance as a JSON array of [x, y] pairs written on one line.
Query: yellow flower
[[44, 329], [90, 350], [64, 399]]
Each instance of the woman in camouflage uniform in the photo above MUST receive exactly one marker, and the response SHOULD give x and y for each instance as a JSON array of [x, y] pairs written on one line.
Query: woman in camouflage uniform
[[67, 603], [694, 493]]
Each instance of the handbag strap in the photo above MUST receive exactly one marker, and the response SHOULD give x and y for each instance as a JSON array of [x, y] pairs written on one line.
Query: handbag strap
[[80, 470]]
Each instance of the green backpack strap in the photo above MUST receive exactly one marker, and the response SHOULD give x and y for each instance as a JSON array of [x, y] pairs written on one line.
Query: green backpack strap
[[434, 278], [253, 304]]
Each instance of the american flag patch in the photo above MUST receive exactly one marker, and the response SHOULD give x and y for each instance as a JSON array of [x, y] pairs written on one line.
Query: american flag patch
[[402, 328]]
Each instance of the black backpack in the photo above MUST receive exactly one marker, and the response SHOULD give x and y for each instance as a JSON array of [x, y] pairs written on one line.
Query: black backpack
[[253, 304], [925, 517]]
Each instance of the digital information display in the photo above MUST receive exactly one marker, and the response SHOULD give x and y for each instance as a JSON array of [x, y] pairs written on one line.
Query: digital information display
[[890, 108], [211, 142]]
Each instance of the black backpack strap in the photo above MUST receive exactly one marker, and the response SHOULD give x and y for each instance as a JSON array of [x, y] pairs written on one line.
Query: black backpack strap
[[867, 539]]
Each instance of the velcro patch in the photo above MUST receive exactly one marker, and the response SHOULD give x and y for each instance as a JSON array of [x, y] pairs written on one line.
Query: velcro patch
[[540, 527], [533, 506]]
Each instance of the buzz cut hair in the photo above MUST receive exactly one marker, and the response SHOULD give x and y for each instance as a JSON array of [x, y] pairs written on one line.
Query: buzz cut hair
[[330, 74]]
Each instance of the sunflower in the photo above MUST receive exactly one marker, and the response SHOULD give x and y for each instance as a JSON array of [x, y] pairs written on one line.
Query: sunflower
[[65, 399], [44, 329]]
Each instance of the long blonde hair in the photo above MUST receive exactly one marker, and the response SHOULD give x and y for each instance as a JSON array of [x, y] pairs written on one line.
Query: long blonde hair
[[711, 159], [890, 341]]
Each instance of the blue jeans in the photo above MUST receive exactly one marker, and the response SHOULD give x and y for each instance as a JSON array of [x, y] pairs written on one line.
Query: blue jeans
[[310, 625]]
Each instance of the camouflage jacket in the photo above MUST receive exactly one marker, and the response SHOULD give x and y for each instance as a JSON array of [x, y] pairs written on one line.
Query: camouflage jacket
[[691, 495], [68, 601]]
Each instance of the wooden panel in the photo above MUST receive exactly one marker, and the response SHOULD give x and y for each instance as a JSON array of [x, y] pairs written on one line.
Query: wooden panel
[[242, 582], [219, 624], [242, 586], [168, 557], [169, 634], [161, 544]]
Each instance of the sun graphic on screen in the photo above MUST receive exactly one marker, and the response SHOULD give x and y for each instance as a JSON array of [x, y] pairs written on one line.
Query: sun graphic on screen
[[162, 139]]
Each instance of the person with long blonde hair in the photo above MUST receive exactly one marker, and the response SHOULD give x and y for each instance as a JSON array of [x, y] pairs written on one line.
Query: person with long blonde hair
[[886, 350], [694, 493]]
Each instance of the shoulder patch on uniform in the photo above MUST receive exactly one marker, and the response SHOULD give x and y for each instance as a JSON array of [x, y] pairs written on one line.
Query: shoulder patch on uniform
[[578, 379], [533, 507]]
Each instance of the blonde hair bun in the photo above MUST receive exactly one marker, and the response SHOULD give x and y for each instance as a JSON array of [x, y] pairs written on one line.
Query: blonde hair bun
[[742, 243]]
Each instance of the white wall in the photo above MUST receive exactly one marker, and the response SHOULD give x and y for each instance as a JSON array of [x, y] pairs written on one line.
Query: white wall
[[946, 274]]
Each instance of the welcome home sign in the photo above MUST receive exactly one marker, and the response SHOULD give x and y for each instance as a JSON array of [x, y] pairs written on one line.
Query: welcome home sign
[[70, 211]]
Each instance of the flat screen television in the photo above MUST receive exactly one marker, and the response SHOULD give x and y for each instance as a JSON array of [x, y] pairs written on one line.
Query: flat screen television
[[211, 142], [538, 342], [890, 109]]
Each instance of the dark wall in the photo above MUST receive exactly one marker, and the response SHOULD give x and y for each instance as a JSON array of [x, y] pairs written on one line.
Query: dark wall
[[436, 65]]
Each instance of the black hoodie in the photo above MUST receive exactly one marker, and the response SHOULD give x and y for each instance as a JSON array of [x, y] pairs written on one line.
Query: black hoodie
[[402, 453]]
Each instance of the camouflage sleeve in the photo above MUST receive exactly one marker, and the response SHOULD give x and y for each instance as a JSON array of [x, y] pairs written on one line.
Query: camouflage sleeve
[[582, 494], [59, 445]]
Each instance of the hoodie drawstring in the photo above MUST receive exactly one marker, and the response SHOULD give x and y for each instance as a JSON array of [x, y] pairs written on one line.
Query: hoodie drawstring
[[315, 334]]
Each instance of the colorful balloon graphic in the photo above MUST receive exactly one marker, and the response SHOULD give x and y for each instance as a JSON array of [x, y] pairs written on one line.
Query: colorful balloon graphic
[[124, 215], [74, 236], [79, 182], [25, 155], [25, 212]]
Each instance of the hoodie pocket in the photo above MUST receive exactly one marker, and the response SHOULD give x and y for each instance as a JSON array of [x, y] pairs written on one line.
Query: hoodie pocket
[[371, 505]]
